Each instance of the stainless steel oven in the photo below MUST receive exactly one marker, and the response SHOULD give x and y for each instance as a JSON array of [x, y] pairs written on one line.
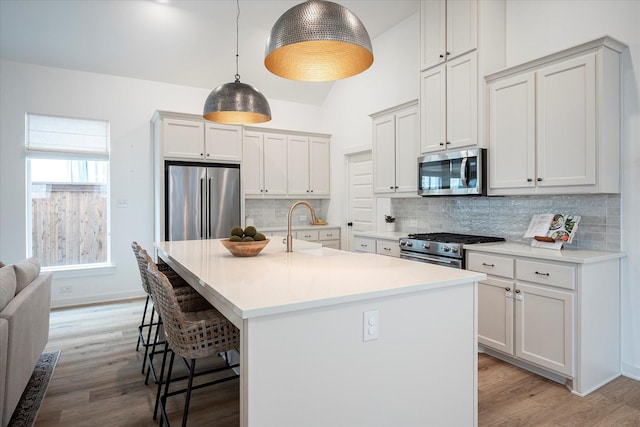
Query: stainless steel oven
[[446, 249]]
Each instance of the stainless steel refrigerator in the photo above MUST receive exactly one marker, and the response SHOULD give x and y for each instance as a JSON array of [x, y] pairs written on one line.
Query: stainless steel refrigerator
[[202, 201]]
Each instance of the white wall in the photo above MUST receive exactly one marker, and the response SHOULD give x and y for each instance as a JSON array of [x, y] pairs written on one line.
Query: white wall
[[128, 104], [392, 80]]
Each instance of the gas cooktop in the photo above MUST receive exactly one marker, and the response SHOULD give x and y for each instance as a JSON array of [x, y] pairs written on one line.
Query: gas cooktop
[[454, 238]]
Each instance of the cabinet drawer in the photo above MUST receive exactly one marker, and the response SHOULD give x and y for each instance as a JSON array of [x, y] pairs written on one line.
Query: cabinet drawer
[[562, 276], [310, 235], [329, 234], [388, 247], [362, 244], [490, 264]]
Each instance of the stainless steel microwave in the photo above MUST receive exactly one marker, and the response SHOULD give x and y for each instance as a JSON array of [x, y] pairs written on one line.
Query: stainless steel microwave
[[453, 173]]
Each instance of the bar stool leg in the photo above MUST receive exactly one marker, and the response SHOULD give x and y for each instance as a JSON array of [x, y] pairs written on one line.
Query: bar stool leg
[[144, 316], [163, 399], [147, 343], [185, 412], [164, 360]]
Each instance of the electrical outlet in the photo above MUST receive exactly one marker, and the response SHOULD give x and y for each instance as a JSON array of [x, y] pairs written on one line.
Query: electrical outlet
[[66, 290], [302, 218], [122, 203], [370, 325]]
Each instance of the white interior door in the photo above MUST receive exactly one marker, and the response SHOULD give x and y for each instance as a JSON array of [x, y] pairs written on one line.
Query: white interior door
[[361, 206]]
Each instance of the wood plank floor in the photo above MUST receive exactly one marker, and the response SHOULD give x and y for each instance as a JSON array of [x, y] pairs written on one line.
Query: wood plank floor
[[98, 383]]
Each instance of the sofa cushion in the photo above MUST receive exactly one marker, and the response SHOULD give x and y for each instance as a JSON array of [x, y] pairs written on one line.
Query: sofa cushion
[[26, 272], [7, 285]]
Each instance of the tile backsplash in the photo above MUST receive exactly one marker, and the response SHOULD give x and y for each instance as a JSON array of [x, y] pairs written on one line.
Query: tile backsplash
[[273, 212], [506, 217], [509, 217]]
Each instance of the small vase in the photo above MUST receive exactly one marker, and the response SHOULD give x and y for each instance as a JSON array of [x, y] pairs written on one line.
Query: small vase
[[391, 226]]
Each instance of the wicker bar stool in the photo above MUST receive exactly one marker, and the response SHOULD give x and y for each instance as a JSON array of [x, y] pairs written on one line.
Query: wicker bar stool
[[145, 324], [192, 336], [188, 299]]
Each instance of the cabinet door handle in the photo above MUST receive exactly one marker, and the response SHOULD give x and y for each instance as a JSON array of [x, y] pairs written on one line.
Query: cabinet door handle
[[542, 274], [362, 245], [441, 56], [508, 289], [442, 143], [448, 53], [529, 180], [517, 291], [488, 265], [539, 179], [448, 142]]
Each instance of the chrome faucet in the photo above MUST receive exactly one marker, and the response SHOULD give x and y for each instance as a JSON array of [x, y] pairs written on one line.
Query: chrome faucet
[[313, 221]]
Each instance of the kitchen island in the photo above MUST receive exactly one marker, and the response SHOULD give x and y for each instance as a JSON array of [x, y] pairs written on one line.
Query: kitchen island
[[338, 338]]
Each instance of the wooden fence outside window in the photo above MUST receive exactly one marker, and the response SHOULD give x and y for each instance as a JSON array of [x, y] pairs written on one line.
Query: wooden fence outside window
[[69, 223]]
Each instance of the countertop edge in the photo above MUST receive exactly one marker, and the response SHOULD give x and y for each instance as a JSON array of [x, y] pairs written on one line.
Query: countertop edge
[[389, 235], [576, 256], [306, 305]]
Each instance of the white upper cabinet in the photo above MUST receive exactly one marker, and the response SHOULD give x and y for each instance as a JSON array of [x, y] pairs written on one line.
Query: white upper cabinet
[[554, 123], [319, 166], [308, 159], [396, 145], [448, 30], [189, 137], [449, 94], [222, 143], [183, 138], [264, 170], [512, 132], [285, 165]]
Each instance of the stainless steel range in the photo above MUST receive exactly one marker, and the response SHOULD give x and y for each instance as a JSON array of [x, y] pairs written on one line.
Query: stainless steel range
[[440, 248]]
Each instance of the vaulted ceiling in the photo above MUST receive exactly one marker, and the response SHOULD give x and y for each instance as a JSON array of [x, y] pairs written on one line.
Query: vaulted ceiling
[[184, 42]]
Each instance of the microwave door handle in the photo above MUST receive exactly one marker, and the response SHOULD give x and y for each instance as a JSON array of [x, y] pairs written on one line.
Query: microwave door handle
[[463, 172]]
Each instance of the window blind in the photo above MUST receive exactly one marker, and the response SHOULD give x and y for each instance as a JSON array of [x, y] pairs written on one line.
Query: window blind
[[50, 136]]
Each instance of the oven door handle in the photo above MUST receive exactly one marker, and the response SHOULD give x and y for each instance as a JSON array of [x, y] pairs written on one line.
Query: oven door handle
[[463, 172], [455, 263]]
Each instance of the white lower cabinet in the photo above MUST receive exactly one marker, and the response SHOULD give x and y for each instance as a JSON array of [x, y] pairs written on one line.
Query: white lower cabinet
[[544, 327], [559, 318], [387, 247], [327, 237]]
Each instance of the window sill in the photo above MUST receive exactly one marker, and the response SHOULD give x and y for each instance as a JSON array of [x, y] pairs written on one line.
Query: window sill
[[84, 270]]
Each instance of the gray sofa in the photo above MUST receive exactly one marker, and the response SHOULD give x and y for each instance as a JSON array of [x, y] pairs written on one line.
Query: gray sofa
[[25, 303]]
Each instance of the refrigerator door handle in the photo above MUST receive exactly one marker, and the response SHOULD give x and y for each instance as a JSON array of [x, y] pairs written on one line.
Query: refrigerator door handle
[[202, 209], [209, 199]]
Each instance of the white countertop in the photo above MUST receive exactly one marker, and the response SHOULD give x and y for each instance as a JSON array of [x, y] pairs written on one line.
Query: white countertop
[[390, 235], [579, 256], [311, 276]]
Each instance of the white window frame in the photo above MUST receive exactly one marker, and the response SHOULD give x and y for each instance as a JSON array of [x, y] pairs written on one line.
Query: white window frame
[[96, 152]]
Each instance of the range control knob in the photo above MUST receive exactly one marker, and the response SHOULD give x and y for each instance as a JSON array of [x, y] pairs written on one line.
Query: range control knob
[[454, 250], [426, 246], [446, 249]]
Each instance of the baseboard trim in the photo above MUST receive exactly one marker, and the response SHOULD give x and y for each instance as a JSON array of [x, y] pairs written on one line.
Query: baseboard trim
[[631, 371], [96, 299]]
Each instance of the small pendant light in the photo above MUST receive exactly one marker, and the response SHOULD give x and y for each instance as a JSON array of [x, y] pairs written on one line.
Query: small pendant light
[[318, 41], [236, 103]]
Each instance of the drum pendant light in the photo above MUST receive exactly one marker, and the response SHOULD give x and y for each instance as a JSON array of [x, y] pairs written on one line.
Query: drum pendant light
[[318, 41], [236, 103]]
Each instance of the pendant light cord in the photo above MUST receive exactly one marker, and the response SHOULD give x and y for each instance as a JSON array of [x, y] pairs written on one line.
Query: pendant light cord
[[237, 37]]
